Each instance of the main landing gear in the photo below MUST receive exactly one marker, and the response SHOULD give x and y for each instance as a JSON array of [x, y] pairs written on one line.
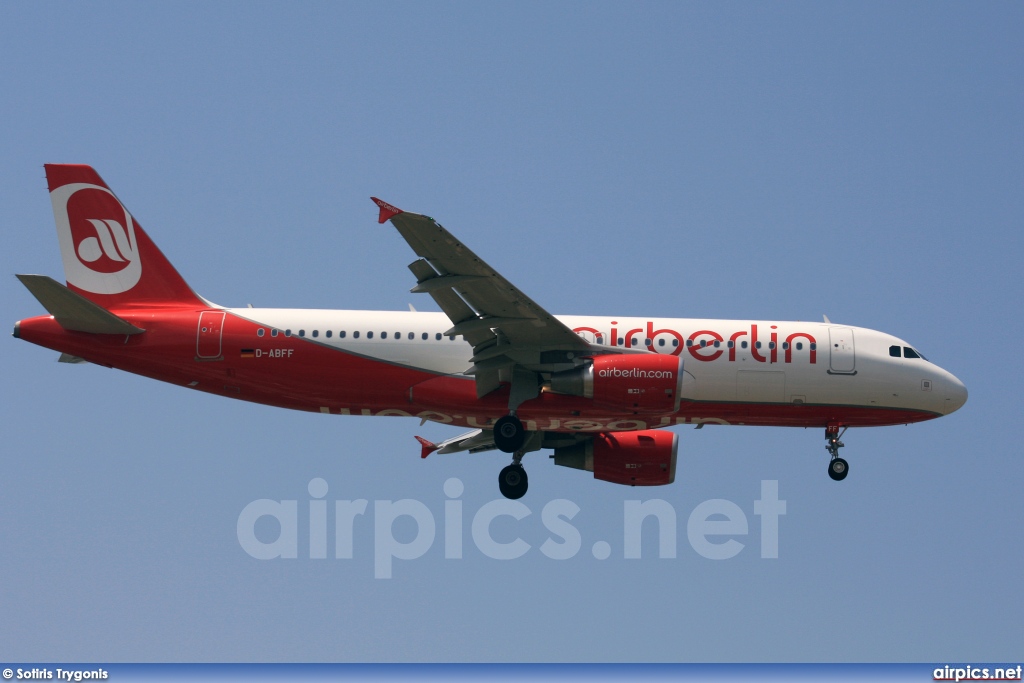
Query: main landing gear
[[837, 467], [509, 434], [512, 481], [510, 437]]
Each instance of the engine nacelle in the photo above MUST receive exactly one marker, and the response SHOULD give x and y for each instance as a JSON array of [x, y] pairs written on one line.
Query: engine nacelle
[[644, 458], [636, 383]]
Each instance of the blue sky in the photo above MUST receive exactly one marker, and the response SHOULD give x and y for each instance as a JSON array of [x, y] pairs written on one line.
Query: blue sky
[[783, 161]]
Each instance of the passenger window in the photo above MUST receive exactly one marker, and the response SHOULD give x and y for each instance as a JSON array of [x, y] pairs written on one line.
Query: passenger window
[[451, 337], [717, 343], [909, 352], [398, 335], [894, 351], [689, 342], [730, 343], [369, 335], [273, 333], [412, 335], [425, 336], [799, 346], [383, 335], [341, 335], [743, 344], [785, 346], [675, 342], [316, 333], [599, 339], [355, 335], [757, 345], [259, 332], [437, 336], [328, 334], [703, 343], [771, 345], [661, 342], [621, 342], [302, 333], [287, 333], [814, 346]]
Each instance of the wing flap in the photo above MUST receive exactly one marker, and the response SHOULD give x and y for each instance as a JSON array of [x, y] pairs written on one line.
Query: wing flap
[[457, 310]]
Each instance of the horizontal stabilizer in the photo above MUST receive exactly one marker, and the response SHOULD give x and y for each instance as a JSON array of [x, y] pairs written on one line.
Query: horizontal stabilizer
[[72, 311]]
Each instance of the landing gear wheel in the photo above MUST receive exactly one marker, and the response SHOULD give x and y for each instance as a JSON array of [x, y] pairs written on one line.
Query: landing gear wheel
[[838, 469], [509, 435], [512, 482]]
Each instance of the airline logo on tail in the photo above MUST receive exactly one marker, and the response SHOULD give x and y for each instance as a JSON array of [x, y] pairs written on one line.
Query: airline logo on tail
[[97, 239]]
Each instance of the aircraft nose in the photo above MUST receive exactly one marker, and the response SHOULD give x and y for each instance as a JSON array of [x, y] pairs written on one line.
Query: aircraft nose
[[956, 394]]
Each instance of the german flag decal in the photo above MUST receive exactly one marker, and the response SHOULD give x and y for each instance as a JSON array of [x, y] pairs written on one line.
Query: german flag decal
[[248, 353]]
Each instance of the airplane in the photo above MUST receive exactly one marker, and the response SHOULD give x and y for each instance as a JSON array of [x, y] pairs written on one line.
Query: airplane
[[598, 391]]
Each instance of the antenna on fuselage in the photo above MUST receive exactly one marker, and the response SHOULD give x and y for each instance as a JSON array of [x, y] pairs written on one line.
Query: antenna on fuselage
[[826, 319]]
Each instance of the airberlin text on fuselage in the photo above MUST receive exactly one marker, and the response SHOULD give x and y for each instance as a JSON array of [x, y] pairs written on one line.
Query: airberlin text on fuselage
[[709, 345]]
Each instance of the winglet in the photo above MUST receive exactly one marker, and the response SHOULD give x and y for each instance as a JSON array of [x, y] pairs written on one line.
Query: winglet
[[386, 212], [427, 447]]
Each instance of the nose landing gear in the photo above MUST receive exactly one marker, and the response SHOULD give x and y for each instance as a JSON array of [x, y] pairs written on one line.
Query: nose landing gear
[[838, 468]]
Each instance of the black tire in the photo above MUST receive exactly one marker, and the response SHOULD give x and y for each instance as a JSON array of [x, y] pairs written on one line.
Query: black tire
[[509, 435], [513, 482], [838, 469]]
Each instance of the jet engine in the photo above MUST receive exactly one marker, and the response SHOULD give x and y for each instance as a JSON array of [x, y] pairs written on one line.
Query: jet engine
[[643, 458], [647, 383]]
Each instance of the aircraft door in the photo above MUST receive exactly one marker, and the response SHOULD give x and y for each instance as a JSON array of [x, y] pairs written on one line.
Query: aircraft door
[[842, 358], [208, 335]]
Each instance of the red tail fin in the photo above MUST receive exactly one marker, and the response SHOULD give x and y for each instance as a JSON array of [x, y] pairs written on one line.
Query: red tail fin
[[108, 258]]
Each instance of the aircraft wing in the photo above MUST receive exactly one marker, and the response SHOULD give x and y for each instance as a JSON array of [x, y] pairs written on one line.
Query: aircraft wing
[[474, 442], [507, 329]]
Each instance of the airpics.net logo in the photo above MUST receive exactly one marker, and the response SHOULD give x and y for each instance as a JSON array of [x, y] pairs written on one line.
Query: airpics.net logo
[[716, 529]]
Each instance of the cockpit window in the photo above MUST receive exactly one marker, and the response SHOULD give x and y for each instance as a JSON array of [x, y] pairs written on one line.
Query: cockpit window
[[910, 353], [894, 351]]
